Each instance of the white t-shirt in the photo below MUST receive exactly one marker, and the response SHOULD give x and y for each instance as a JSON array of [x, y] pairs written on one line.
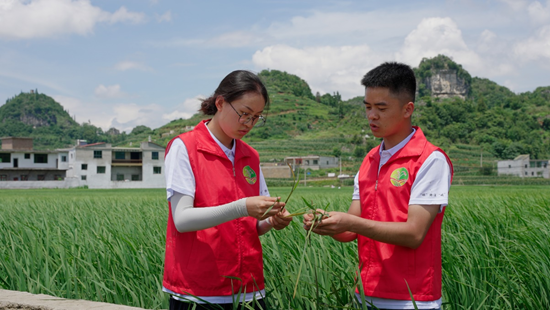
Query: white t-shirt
[[431, 187], [180, 178]]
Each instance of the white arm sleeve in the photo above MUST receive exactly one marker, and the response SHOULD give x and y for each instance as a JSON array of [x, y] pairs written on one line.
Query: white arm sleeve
[[178, 172], [187, 218], [264, 226], [432, 183], [356, 187]]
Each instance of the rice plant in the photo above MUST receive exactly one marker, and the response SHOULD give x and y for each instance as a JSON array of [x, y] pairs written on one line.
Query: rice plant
[[108, 245]]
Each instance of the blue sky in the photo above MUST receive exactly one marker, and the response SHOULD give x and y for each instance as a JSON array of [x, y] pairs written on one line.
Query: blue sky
[[123, 63]]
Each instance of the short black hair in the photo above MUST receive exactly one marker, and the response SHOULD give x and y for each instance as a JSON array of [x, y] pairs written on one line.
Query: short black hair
[[235, 85], [397, 77]]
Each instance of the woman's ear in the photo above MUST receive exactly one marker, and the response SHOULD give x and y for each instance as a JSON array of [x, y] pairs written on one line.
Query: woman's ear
[[219, 102]]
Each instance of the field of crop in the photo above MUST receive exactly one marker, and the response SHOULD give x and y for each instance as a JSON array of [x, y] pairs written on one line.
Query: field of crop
[[108, 245]]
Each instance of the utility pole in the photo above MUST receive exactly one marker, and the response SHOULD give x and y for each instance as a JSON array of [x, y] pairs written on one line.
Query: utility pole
[[481, 159], [305, 177]]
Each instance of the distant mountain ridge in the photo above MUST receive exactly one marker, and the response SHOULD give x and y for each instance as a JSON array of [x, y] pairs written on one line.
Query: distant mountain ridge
[[39, 116], [451, 107], [35, 110]]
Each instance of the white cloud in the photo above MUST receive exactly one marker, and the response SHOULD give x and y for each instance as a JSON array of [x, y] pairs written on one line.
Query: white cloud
[[83, 112], [123, 15], [340, 68], [538, 13], [327, 69], [24, 19], [107, 92], [131, 114], [435, 36], [130, 65], [315, 28], [123, 116], [487, 42], [516, 5], [431, 37], [352, 26], [70, 104], [166, 17], [185, 110], [536, 47]]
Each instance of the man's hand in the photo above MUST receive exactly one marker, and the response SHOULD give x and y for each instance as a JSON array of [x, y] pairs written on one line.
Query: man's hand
[[331, 224], [280, 221], [334, 224]]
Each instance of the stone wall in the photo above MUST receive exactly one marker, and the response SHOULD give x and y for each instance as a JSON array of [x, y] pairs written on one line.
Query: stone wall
[[276, 172]]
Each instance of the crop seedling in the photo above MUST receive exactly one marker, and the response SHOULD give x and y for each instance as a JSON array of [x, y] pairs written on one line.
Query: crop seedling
[[294, 185], [318, 216], [494, 245]]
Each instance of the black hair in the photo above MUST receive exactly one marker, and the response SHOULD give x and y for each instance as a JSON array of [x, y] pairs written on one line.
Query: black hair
[[235, 85], [397, 77]]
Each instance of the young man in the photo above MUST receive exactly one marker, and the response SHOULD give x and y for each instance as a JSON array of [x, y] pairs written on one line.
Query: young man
[[399, 200]]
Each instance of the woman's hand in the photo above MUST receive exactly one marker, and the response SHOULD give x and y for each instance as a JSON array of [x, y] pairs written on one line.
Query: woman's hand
[[280, 221], [258, 205]]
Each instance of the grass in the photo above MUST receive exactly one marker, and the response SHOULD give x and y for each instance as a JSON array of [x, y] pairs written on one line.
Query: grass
[[108, 245]]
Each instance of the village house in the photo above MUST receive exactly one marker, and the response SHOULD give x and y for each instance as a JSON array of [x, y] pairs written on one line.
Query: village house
[[283, 170], [97, 165], [523, 166], [312, 162], [20, 162]]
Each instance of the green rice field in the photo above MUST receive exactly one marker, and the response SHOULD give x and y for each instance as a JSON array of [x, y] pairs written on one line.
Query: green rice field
[[108, 245]]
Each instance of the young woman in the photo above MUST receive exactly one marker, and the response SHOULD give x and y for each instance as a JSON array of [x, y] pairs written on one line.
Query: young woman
[[218, 201]]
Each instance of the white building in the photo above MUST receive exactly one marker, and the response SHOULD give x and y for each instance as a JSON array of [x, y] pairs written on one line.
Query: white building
[[523, 166], [313, 162], [100, 165], [96, 165], [19, 162]]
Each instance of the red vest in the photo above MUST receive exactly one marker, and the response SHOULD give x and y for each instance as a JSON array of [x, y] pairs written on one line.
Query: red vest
[[199, 262], [385, 197]]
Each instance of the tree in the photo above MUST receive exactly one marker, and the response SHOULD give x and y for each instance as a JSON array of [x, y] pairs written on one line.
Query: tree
[[336, 152], [359, 152], [140, 129]]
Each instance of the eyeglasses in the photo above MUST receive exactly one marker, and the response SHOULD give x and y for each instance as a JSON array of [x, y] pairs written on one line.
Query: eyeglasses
[[245, 118]]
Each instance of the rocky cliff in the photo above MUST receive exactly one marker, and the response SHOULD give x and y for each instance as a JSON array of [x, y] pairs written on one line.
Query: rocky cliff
[[446, 83], [441, 77]]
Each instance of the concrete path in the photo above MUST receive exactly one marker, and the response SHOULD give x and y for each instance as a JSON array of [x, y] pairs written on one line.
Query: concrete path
[[23, 300]]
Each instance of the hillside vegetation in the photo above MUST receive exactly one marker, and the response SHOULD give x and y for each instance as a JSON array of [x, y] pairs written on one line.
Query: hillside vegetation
[[492, 122], [40, 117]]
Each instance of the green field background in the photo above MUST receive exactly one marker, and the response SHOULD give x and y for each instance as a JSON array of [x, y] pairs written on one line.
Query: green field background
[[108, 245]]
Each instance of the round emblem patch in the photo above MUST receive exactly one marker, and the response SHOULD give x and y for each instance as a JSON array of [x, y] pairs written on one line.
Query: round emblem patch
[[249, 175], [399, 177]]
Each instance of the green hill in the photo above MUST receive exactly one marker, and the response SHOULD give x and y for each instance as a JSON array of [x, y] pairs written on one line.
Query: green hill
[[42, 118], [489, 119]]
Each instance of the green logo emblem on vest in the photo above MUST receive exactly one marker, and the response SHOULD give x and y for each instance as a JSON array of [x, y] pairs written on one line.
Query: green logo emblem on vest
[[399, 177], [249, 175]]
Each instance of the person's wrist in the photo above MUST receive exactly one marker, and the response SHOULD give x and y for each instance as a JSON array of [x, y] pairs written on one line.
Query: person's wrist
[[242, 207]]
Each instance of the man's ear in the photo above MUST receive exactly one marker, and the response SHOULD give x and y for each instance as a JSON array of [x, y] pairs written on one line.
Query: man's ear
[[219, 102], [408, 109]]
